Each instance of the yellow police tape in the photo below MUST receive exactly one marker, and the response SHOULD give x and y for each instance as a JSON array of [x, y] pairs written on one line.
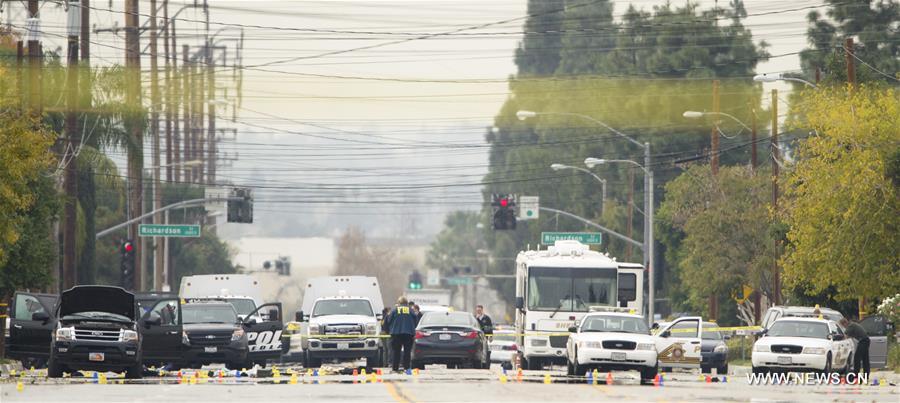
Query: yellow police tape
[[290, 327]]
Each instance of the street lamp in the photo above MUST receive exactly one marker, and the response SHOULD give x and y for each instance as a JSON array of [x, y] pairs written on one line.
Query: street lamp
[[771, 78], [559, 167], [649, 259]]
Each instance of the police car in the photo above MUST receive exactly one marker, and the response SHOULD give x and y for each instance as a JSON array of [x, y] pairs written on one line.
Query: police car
[[610, 339], [794, 343]]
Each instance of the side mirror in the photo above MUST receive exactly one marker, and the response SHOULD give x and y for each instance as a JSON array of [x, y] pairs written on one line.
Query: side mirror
[[299, 316], [837, 337], [154, 319], [665, 334], [655, 326], [573, 329], [379, 316], [520, 303], [40, 316], [727, 337], [274, 316]]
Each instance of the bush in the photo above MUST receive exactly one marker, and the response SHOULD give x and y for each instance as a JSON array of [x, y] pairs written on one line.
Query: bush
[[739, 347], [893, 358]]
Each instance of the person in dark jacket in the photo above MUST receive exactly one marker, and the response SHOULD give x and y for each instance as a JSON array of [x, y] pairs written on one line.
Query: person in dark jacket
[[484, 321], [861, 358], [401, 323]]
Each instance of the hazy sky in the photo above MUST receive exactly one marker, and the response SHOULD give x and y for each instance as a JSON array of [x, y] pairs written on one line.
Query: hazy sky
[[378, 130]]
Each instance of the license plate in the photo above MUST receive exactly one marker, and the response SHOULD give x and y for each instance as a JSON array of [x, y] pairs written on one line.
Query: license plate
[[618, 356], [784, 360], [444, 337], [343, 346], [211, 349], [96, 357]]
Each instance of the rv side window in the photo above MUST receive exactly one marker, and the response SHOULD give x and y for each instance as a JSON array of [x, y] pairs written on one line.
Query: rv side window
[[627, 287]]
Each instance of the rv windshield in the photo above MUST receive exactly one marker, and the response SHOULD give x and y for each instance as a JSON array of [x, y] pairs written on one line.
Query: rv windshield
[[570, 289], [243, 306]]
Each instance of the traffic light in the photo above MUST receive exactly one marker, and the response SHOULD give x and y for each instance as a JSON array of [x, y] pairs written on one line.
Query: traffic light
[[504, 212], [240, 206], [127, 264], [415, 280]]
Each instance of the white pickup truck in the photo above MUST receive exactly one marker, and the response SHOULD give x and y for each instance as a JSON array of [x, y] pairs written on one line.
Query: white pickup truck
[[343, 328]]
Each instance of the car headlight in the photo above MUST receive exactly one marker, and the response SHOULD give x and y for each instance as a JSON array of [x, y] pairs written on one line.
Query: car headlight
[[129, 335], [646, 346], [238, 333], [761, 348], [371, 328], [813, 350], [313, 328], [65, 334], [539, 342], [721, 348], [185, 339], [589, 344]]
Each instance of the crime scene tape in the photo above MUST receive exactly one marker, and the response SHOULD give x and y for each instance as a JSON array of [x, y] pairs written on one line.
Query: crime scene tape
[[529, 334]]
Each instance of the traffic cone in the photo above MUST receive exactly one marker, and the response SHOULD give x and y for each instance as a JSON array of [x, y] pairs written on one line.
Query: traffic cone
[[293, 380], [408, 371], [724, 379], [609, 378], [356, 372], [503, 378], [416, 372], [20, 386], [103, 379], [309, 372], [379, 372], [708, 379], [547, 379], [595, 376], [588, 376]]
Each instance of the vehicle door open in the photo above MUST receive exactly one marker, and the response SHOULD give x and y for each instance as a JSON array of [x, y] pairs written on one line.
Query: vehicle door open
[[161, 329], [30, 326], [264, 328], [679, 343]]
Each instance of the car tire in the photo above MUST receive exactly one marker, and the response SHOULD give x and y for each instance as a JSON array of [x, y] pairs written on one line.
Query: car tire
[[827, 369], [569, 369], [374, 361], [54, 369], [649, 373], [577, 369], [534, 364], [135, 371], [759, 370], [723, 370], [419, 365], [312, 362]]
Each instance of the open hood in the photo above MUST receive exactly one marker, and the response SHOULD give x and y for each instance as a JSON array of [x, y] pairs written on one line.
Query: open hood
[[97, 298]]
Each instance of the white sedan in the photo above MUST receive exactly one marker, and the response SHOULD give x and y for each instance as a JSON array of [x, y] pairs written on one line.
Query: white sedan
[[612, 341], [803, 344]]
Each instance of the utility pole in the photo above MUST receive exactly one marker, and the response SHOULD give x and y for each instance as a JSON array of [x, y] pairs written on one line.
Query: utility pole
[[70, 151], [752, 137], [186, 102], [168, 91], [199, 95], [775, 157], [134, 129], [851, 64], [155, 102], [35, 58], [86, 31], [211, 116], [20, 57], [174, 99], [714, 165], [630, 223]]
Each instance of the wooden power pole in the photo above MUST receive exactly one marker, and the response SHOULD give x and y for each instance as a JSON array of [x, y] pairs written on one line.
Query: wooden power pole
[[70, 151], [134, 130]]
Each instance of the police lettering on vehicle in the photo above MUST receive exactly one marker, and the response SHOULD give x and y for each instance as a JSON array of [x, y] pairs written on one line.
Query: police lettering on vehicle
[[267, 340]]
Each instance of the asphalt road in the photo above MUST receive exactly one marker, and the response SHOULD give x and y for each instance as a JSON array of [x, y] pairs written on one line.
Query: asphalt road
[[435, 384]]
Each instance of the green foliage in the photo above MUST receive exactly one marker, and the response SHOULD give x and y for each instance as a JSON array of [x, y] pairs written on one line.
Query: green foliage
[[30, 260], [204, 255], [458, 243], [538, 54], [844, 213]]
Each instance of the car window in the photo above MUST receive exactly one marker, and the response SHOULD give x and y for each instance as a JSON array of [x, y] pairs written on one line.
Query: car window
[[709, 334], [875, 325], [27, 305], [209, 314], [685, 328], [611, 323], [448, 319], [792, 328], [167, 311]]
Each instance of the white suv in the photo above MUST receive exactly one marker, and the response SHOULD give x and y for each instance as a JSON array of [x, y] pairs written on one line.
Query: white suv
[[795, 343], [612, 341]]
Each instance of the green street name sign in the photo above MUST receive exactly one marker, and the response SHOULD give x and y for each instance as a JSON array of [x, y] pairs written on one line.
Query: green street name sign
[[186, 231], [587, 238], [459, 280]]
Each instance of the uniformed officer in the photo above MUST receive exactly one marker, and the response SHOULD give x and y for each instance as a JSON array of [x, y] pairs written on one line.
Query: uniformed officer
[[402, 325]]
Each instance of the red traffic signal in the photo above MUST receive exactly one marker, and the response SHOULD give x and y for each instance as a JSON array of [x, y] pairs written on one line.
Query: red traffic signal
[[504, 202], [128, 247]]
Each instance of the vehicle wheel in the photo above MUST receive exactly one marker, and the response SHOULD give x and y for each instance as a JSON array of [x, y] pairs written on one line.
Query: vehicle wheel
[[534, 364], [54, 370], [576, 368], [235, 366], [704, 370], [312, 362], [827, 369], [759, 370], [570, 370], [649, 373], [723, 370], [374, 361], [476, 364], [419, 365], [135, 371]]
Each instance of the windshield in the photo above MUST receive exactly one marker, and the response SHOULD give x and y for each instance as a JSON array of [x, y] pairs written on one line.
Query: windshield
[[447, 319], [709, 334], [791, 328], [343, 307], [203, 313], [612, 323], [570, 290], [96, 315], [243, 306]]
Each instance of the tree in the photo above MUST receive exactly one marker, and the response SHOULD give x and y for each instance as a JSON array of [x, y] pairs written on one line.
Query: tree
[[458, 243], [356, 257], [538, 54], [843, 210]]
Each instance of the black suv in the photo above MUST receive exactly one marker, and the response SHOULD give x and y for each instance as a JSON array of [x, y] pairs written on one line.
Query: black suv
[[213, 334], [95, 330]]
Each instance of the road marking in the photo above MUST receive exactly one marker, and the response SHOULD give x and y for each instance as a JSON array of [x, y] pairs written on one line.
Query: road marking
[[396, 393]]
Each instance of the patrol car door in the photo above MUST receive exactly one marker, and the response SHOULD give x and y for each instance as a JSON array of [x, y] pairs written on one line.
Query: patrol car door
[[30, 325], [679, 343], [841, 344], [264, 335], [161, 329], [877, 328]]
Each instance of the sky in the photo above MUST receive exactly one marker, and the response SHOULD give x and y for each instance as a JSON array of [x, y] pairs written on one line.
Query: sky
[[366, 112]]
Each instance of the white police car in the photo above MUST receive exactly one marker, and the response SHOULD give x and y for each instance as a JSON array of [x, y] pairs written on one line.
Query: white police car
[[612, 340], [793, 343]]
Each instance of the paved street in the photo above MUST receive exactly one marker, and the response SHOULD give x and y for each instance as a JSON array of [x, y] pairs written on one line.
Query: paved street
[[436, 384]]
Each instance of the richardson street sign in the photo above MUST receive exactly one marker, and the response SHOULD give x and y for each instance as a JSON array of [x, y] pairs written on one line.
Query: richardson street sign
[[188, 231], [587, 238]]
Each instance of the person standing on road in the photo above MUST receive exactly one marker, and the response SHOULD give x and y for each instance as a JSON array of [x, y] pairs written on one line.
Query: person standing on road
[[402, 325], [484, 321], [861, 358]]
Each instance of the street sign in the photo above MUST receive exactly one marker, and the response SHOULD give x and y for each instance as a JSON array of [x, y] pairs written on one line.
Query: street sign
[[587, 238], [529, 207], [459, 280], [183, 231]]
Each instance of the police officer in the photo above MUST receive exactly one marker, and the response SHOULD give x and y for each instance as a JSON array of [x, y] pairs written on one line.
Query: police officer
[[484, 321], [402, 325], [861, 358]]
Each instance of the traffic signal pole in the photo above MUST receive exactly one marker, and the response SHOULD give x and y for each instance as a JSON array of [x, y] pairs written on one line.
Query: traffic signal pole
[[185, 203]]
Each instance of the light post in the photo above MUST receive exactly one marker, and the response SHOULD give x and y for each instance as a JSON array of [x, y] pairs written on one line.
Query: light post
[[771, 78], [161, 256], [698, 115], [649, 259], [559, 167]]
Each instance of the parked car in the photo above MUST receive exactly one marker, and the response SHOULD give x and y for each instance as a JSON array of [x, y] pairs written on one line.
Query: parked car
[[612, 341], [213, 334], [810, 344], [95, 330], [452, 338], [503, 347], [713, 350]]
